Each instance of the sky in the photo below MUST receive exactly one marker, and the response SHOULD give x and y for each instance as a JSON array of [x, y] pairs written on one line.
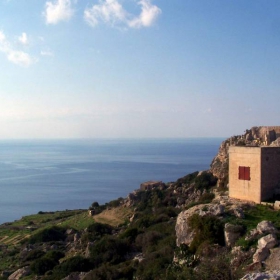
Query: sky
[[138, 68]]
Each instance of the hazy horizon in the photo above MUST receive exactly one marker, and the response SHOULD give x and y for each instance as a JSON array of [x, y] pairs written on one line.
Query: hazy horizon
[[137, 68]]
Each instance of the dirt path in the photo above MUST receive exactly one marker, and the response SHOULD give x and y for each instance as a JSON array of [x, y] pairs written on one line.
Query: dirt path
[[114, 216]]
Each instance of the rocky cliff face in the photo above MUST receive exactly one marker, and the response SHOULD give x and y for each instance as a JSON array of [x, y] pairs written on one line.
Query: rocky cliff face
[[256, 136]]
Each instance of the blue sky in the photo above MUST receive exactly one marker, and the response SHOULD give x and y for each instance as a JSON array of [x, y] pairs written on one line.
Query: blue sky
[[138, 68]]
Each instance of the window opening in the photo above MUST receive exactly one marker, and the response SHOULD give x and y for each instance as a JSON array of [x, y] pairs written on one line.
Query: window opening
[[244, 173]]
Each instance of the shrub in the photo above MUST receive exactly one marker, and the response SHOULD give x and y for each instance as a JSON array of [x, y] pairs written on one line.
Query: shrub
[[187, 179], [99, 229], [109, 249], [205, 180], [34, 254], [206, 198], [207, 228], [148, 240], [42, 265], [49, 234]]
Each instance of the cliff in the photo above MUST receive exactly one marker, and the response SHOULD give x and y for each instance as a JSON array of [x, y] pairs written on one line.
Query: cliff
[[256, 136]]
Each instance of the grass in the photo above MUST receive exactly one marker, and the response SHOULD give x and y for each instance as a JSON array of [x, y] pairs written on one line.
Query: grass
[[260, 213], [14, 233], [114, 216], [78, 222]]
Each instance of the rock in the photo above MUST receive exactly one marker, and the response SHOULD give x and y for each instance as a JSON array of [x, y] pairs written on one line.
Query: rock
[[139, 257], [184, 233], [20, 273], [88, 248], [268, 241], [264, 244], [77, 237], [277, 205], [266, 227], [239, 257], [238, 212], [132, 218], [232, 233], [256, 266], [70, 231], [268, 275], [75, 276], [260, 255], [272, 262]]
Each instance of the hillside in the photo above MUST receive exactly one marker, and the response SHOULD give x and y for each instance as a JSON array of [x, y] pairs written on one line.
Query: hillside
[[188, 229]]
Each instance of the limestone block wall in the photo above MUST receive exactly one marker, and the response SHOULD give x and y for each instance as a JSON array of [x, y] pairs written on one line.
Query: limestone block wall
[[270, 171], [245, 189]]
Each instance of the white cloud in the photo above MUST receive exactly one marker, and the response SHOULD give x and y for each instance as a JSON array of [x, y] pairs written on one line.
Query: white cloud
[[16, 56], [109, 11], [112, 12], [148, 15], [60, 10], [23, 39]]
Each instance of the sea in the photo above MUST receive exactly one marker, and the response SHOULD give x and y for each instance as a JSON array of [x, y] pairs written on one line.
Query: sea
[[51, 175]]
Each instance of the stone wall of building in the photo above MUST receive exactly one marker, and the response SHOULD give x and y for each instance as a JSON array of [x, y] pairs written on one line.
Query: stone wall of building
[[245, 189], [270, 172]]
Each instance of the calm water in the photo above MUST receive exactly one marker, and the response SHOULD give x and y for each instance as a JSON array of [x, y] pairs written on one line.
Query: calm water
[[71, 174]]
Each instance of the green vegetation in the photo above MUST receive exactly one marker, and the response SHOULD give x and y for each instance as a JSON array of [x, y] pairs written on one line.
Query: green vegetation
[[207, 229]]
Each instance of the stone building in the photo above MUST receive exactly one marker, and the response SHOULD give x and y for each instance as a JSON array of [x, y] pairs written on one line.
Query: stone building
[[254, 172]]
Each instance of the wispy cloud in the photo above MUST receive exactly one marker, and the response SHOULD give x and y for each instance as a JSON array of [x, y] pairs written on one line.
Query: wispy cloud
[[56, 11], [113, 13], [23, 39], [46, 53], [16, 56]]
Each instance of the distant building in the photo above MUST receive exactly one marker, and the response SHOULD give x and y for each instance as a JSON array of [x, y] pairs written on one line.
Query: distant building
[[254, 172]]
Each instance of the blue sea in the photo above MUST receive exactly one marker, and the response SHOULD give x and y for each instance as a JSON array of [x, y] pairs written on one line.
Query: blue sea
[[49, 175]]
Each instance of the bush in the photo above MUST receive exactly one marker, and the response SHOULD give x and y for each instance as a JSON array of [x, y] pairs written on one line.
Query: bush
[[206, 198], [96, 231], [109, 249], [34, 254], [42, 265], [99, 229], [49, 234], [207, 228], [205, 180], [187, 179]]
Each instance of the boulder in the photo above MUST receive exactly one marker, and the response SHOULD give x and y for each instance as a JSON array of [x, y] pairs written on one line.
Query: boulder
[[232, 233], [272, 262], [268, 241], [184, 233], [20, 273], [277, 205], [269, 275], [266, 227], [260, 255]]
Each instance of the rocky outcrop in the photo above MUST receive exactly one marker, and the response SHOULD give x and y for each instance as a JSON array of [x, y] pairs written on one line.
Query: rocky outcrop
[[232, 233], [20, 273], [184, 233], [256, 136], [264, 227], [265, 243], [273, 275]]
